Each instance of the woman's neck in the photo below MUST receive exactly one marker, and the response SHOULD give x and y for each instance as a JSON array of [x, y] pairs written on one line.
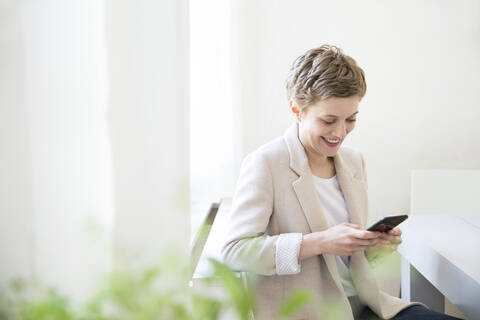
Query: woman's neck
[[321, 166]]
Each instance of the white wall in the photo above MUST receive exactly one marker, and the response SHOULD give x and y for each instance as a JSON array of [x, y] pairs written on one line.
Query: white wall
[[421, 58]]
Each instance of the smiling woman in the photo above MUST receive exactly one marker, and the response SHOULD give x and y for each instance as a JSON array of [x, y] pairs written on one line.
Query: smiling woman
[[300, 208]]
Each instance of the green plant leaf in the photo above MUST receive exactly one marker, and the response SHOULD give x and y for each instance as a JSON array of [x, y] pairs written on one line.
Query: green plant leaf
[[242, 298], [294, 302]]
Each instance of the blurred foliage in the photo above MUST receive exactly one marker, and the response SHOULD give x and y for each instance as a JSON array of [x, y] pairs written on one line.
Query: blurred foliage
[[294, 302], [159, 292]]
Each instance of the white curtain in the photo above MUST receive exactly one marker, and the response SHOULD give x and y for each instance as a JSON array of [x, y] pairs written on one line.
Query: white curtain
[[215, 123], [148, 123], [94, 136]]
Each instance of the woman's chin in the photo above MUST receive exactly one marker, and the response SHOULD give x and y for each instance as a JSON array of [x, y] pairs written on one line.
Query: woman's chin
[[330, 151]]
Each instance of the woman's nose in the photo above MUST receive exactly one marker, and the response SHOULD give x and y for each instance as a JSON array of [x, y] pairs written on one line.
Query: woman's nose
[[340, 131]]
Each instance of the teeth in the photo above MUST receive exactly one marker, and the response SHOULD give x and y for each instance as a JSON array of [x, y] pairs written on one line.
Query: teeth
[[332, 141]]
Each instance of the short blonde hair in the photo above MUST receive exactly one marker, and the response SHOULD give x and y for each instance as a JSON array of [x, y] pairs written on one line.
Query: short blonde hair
[[324, 72]]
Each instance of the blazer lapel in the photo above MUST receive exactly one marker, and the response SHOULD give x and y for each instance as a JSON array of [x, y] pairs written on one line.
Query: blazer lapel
[[354, 192], [304, 185]]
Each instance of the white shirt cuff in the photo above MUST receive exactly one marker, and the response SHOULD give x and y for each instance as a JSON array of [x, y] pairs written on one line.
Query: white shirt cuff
[[287, 251]]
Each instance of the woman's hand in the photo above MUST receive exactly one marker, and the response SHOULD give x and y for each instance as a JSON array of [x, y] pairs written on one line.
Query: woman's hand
[[388, 242], [391, 239], [341, 240]]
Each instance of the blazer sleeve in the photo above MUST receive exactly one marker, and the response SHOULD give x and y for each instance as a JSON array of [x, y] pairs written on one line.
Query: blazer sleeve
[[248, 247]]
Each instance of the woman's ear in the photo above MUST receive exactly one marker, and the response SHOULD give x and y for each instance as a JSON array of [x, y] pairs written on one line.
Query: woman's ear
[[294, 110]]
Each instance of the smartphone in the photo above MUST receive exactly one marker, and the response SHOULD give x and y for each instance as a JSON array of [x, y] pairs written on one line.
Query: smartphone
[[388, 223]]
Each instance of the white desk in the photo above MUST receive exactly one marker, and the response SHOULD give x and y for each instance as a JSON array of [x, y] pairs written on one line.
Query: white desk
[[441, 257]]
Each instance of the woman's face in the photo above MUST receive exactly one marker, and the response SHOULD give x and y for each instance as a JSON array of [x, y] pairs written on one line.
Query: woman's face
[[332, 119]]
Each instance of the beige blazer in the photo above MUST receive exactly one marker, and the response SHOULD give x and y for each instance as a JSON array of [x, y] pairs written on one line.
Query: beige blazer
[[275, 194]]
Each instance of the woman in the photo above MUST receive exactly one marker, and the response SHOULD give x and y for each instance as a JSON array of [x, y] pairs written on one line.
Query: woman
[[300, 207]]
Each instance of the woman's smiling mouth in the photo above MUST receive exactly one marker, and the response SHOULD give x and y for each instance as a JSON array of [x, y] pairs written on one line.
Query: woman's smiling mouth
[[331, 142]]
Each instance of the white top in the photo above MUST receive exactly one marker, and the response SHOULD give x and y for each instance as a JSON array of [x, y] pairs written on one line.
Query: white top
[[336, 212]]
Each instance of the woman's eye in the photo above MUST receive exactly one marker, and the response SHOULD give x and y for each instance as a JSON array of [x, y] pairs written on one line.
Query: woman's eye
[[349, 120]]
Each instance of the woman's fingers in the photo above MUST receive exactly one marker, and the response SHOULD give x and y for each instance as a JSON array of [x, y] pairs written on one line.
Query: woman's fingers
[[364, 234], [395, 232], [363, 239], [391, 239], [366, 242]]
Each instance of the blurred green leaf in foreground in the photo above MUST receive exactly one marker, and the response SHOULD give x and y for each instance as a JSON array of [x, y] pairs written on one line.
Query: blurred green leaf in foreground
[[126, 293]]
